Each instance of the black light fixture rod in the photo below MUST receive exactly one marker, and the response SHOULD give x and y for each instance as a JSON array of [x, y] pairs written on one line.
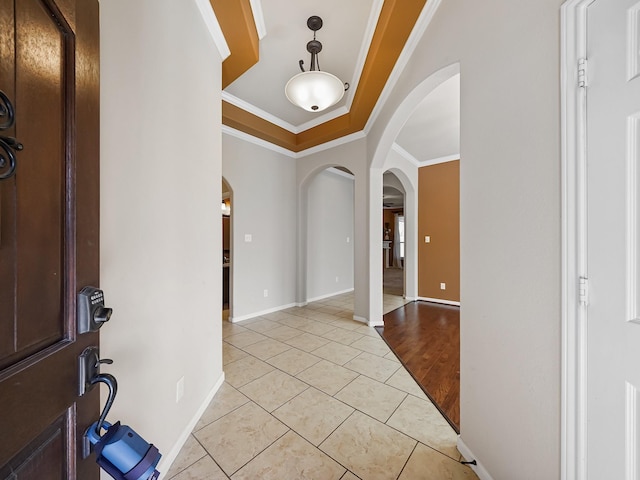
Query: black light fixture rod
[[313, 46], [313, 61]]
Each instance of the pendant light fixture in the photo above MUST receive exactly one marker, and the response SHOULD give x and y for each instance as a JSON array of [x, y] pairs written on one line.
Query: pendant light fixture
[[314, 90]]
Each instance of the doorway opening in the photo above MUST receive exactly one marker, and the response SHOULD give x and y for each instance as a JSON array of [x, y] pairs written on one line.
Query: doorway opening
[[393, 243], [225, 207], [421, 147], [329, 233]]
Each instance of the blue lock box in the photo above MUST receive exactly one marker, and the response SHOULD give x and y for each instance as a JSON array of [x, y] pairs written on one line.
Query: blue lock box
[[124, 454]]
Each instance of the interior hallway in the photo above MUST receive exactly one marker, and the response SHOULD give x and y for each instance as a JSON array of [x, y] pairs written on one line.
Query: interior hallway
[[312, 394]]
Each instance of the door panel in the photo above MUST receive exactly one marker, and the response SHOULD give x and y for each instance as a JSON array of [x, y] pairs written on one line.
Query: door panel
[[7, 187], [613, 250], [42, 100], [44, 458], [49, 233]]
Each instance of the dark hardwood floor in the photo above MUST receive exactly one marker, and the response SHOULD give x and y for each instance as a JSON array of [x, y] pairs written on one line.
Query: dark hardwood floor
[[425, 337]]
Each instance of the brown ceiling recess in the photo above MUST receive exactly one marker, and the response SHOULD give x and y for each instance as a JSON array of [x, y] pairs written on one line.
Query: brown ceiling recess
[[236, 22], [395, 23]]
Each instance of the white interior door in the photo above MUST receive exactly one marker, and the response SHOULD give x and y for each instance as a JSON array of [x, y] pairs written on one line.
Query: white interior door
[[613, 239]]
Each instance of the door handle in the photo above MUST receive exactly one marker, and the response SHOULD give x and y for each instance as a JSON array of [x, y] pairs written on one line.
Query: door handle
[[89, 368]]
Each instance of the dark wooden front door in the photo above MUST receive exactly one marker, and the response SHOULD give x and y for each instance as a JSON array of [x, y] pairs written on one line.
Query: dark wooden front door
[[49, 233]]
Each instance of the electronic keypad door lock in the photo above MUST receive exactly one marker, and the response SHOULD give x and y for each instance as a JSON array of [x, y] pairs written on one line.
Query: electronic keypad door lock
[[91, 310]]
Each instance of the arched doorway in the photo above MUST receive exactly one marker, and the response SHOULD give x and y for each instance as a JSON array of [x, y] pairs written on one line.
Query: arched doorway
[[227, 243], [389, 155], [328, 208], [393, 232], [425, 146], [397, 258]]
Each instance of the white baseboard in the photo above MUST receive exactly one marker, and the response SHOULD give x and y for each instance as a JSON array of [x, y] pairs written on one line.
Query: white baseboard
[[284, 307], [263, 312], [372, 323], [469, 456], [322, 297], [360, 319], [167, 460], [439, 300]]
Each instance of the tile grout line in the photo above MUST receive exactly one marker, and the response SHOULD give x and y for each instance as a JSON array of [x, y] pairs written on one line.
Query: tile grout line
[[408, 458], [260, 452], [300, 314], [329, 455]]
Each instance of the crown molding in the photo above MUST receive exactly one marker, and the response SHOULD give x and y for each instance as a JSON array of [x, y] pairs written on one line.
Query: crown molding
[[213, 27], [396, 32], [258, 18], [341, 173], [436, 161], [249, 107], [404, 154], [252, 109], [332, 144], [423, 163], [372, 23], [233, 132], [327, 116], [257, 141], [427, 14], [331, 124]]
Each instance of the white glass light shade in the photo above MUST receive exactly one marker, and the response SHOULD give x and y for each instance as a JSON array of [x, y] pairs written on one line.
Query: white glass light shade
[[314, 91]]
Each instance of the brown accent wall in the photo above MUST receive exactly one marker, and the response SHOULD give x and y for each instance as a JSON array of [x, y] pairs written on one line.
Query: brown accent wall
[[439, 218]]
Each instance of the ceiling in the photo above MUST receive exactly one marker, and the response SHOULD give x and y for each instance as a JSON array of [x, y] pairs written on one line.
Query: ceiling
[[343, 36], [362, 41]]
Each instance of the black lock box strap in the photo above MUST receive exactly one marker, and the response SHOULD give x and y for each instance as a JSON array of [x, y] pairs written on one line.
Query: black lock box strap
[[143, 466], [104, 440], [110, 469]]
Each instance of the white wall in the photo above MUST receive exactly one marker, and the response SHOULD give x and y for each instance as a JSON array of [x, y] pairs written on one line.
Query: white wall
[[160, 210], [510, 222], [329, 234], [264, 206]]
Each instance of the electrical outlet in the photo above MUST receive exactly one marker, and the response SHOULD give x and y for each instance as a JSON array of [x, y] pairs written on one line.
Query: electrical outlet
[[348, 239], [427, 239], [337, 279], [443, 286], [266, 293], [248, 238], [179, 389]]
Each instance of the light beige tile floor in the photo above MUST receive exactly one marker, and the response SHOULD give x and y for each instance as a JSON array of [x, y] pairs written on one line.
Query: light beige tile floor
[[312, 394]]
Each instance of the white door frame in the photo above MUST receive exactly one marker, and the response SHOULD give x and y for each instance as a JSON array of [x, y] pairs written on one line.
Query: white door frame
[[574, 240]]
